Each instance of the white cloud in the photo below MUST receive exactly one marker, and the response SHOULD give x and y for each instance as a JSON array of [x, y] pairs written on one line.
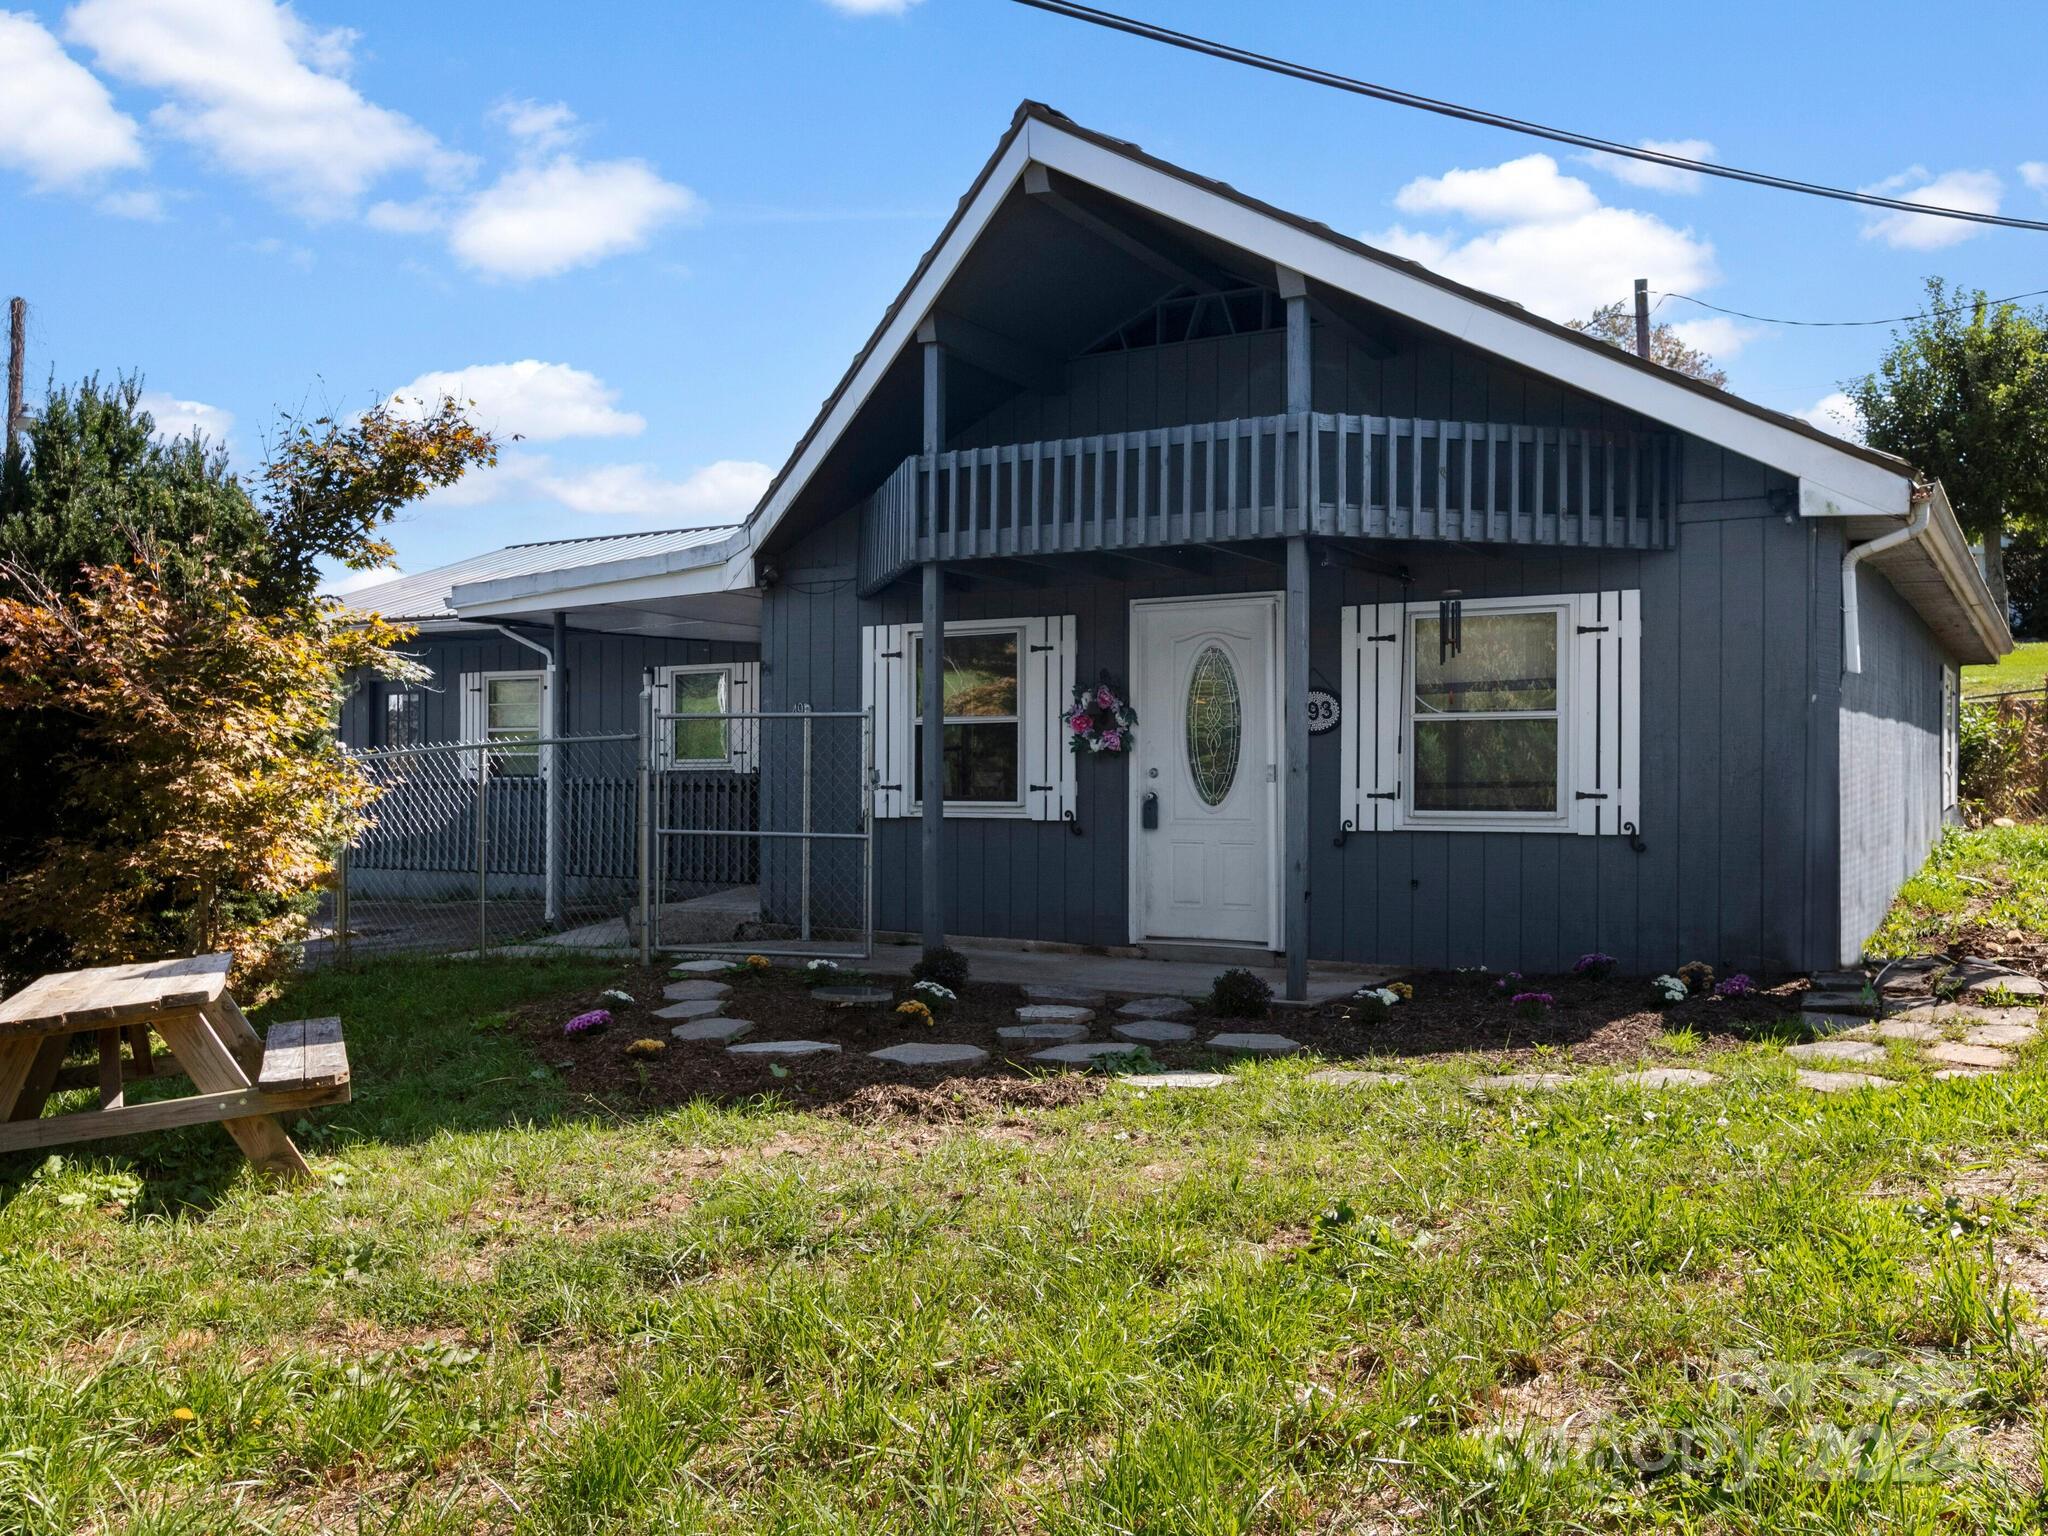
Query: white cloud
[[134, 203], [872, 7], [1530, 188], [1836, 413], [57, 122], [1974, 191], [415, 218], [538, 401], [2035, 174], [1553, 246], [720, 492], [1652, 176], [355, 581], [539, 220], [544, 125], [182, 418], [1719, 336], [262, 92]]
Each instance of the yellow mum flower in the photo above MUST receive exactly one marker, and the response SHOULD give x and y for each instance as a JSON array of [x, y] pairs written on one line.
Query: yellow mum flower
[[914, 1012]]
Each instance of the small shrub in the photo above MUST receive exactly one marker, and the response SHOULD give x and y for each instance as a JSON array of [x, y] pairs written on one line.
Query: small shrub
[[588, 1023], [1239, 994], [1670, 989], [936, 998], [642, 1050], [1595, 967], [1371, 1008], [753, 965], [914, 1012], [821, 973], [1116, 1063], [1697, 975], [945, 965], [1531, 1005], [1510, 981], [1738, 985]]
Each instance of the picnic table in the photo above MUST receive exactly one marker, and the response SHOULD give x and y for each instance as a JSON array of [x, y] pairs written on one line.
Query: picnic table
[[241, 1081]]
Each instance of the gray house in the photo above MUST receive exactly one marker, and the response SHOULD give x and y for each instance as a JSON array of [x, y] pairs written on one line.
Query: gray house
[[1453, 637]]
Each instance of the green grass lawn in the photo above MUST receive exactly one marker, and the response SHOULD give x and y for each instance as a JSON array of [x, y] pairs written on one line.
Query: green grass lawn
[[1277, 1306], [2024, 670]]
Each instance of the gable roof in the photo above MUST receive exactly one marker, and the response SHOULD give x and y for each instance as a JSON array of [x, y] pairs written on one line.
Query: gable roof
[[424, 596]]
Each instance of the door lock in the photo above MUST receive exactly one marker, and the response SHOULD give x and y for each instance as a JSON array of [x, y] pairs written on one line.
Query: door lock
[[1148, 812]]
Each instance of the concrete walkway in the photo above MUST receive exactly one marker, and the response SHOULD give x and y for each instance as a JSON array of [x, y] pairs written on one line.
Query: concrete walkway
[[1114, 974]]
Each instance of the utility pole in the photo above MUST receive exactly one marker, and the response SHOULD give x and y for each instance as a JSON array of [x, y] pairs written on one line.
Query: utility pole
[[1643, 318], [17, 362]]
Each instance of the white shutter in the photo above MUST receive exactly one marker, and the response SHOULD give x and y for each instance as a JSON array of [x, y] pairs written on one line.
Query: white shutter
[[1951, 728], [1049, 680], [1369, 726], [664, 730], [885, 693], [1606, 683], [471, 714], [743, 697]]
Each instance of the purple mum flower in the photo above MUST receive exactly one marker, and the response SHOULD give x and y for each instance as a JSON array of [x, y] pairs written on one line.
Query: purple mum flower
[[583, 1023]]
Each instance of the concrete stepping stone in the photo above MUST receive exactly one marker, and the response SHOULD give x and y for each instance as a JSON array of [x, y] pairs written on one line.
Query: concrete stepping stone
[[930, 1053], [1071, 997], [1982, 1057], [1905, 1029], [2001, 1034], [1828, 1022], [852, 997], [1081, 1054], [1819, 1000], [1513, 1082], [1156, 1008], [1840, 1082], [1950, 1074], [1253, 1043], [784, 1048], [701, 968], [1349, 1077], [1981, 979], [1055, 1013], [1177, 1079], [1967, 1013], [702, 1008], [696, 990], [1837, 1050], [1841, 981], [720, 1031], [1055, 1033], [1152, 1031], [1668, 1077]]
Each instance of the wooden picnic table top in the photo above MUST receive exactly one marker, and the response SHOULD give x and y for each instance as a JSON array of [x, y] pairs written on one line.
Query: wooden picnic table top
[[108, 995]]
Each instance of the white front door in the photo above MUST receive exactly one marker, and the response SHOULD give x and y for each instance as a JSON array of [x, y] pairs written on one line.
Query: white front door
[[1205, 774]]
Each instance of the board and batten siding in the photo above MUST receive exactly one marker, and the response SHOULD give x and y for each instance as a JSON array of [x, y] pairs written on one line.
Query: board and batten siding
[[1891, 768], [604, 676]]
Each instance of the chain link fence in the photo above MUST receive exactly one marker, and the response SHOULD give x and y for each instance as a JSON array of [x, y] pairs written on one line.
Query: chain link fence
[[2003, 757], [702, 833]]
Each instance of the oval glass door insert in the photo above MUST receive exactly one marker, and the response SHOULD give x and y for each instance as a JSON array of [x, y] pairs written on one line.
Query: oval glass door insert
[[1215, 724]]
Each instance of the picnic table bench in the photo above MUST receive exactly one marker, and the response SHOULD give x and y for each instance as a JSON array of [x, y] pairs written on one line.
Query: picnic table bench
[[242, 1081]]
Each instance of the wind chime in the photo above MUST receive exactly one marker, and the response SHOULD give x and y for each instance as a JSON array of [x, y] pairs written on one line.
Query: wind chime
[[1450, 625]]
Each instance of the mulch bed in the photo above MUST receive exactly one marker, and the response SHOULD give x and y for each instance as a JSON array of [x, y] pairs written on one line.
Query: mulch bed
[[1452, 1014]]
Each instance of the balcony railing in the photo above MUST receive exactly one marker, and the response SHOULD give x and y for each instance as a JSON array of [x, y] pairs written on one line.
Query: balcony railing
[[1263, 477]]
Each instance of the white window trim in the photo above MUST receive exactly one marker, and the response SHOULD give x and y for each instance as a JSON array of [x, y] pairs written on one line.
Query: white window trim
[[477, 725], [1407, 818], [999, 810], [666, 676], [1951, 736]]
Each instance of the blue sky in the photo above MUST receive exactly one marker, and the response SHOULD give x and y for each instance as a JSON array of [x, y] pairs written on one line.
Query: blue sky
[[650, 236]]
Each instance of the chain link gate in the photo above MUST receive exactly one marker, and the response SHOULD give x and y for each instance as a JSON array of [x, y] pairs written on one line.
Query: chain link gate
[[783, 866]]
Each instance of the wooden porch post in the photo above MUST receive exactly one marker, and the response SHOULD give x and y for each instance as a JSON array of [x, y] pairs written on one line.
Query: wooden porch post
[[1294, 688], [933, 788]]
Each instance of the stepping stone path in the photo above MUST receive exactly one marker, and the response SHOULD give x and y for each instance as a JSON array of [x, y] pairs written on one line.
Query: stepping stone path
[[928, 1053], [703, 1008], [718, 1031], [1073, 997], [1153, 1031], [784, 1048], [1156, 1008], [1543, 1082], [1347, 1077], [851, 997], [1836, 1050], [703, 968], [696, 991], [1819, 1001], [1041, 1032], [1840, 1082], [1055, 1013], [1669, 1077], [1982, 1057], [1177, 1079], [1237, 1043], [1079, 1055], [1963, 1013], [1906, 1029], [2000, 1034], [1824, 1022]]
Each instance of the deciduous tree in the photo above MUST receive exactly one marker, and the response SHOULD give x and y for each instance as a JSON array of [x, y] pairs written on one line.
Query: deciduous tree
[[1615, 324]]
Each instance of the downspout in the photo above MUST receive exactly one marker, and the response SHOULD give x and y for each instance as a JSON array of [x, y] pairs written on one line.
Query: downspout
[[550, 780], [1916, 526]]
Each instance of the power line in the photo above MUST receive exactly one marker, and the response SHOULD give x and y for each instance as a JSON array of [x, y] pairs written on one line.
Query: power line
[[1946, 309], [1153, 32]]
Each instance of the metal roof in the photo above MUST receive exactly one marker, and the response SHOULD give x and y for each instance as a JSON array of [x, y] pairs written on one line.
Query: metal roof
[[424, 594]]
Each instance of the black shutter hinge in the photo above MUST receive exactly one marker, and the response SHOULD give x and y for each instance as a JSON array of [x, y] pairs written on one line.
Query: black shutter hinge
[[1035, 649], [1382, 639], [1587, 794], [1391, 794], [1592, 629], [892, 655], [1040, 788]]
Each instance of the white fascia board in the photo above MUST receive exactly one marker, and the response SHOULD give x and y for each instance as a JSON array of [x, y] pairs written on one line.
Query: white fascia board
[[608, 589], [1454, 315], [704, 568]]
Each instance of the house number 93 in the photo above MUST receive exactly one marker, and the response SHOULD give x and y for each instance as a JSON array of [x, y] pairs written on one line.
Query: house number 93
[[1322, 711]]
